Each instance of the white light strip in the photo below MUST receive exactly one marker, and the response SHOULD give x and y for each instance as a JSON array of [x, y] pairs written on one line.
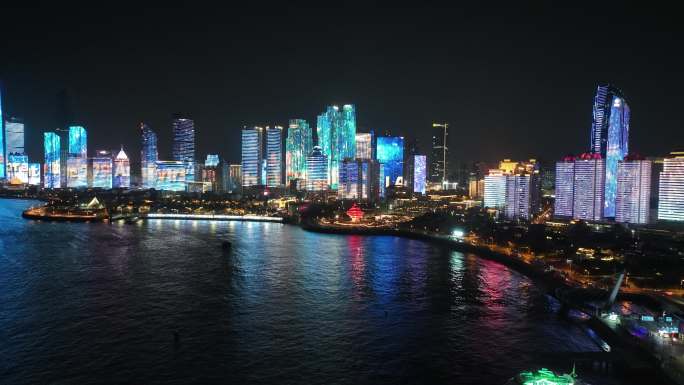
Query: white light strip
[[220, 217]]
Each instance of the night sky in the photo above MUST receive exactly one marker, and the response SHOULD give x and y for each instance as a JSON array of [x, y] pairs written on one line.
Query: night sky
[[511, 82]]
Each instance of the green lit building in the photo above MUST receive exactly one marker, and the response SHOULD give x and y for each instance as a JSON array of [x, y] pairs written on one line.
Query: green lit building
[[298, 145], [336, 129]]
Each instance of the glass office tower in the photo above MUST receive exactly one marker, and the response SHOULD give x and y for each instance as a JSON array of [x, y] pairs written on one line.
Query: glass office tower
[[610, 137], [274, 156], [52, 150], [184, 144], [298, 146], [122, 171], [77, 161], [252, 156], [149, 156], [419, 173], [364, 145], [390, 153], [316, 170], [337, 138]]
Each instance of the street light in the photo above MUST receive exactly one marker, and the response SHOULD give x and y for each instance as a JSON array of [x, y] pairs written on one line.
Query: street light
[[444, 149]]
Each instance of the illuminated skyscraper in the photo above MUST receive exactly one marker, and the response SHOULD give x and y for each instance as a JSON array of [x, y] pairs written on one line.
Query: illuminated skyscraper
[[17, 168], [671, 194], [439, 154], [252, 156], [316, 170], [610, 137], [170, 175], [274, 156], [122, 171], [101, 170], [522, 195], [34, 174], [337, 138], [364, 145], [390, 153], [419, 173], [211, 176], [633, 191], [77, 162], [495, 189], [14, 132], [359, 180], [565, 187], [232, 178], [52, 150], [298, 146], [184, 144], [589, 187], [149, 156]]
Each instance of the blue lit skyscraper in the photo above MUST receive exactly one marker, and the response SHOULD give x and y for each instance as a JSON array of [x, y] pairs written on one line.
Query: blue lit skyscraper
[[274, 156], [610, 137], [316, 170], [298, 146], [419, 173], [14, 136], [252, 156], [390, 153], [101, 169], [51, 145], [184, 144], [77, 161], [337, 138], [148, 156]]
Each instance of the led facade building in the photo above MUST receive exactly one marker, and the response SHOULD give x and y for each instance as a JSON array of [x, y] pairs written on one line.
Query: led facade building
[[149, 155], [359, 180], [475, 188], [565, 188], [101, 170], [274, 156], [439, 154], [390, 153], [184, 144], [52, 151], [336, 130], [317, 170], [170, 175], [364, 145], [671, 193], [589, 193], [495, 189], [419, 173], [14, 132], [122, 171], [211, 175], [633, 191], [34, 174], [522, 196], [17, 168], [298, 146], [252, 156], [232, 177], [77, 158], [610, 137]]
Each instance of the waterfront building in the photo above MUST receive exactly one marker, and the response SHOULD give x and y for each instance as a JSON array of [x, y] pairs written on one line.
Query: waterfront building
[[419, 173], [475, 188], [17, 168], [359, 179], [77, 161], [122, 171], [274, 156], [633, 190], [439, 153], [610, 138], [101, 170], [298, 146], [34, 174], [184, 144], [52, 151], [317, 170], [149, 155], [522, 195], [589, 194], [170, 175], [14, 133], [252, 156], [390, 152], [336, 130], [495, 189], [232, 177], [364, 145], [210, 173], [671, 189], [565, 188]]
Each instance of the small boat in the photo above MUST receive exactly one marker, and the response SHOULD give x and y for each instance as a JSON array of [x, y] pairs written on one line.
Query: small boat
[[545, 376]]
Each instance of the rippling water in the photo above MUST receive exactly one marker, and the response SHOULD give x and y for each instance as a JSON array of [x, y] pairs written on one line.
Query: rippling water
[[83, 303]]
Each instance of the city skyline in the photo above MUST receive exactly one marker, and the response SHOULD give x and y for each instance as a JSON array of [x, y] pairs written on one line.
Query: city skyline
[[415, 92]]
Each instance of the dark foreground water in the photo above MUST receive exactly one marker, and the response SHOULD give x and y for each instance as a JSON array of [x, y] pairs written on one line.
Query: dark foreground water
[[86, 303]]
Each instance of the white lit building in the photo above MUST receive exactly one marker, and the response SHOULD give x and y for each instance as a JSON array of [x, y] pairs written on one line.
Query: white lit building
[[589, 185], [565, 188], [671, 193], [495, 189], [633, 191]]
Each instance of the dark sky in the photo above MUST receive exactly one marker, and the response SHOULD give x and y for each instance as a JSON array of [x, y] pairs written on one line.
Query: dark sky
[[512, 82]]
